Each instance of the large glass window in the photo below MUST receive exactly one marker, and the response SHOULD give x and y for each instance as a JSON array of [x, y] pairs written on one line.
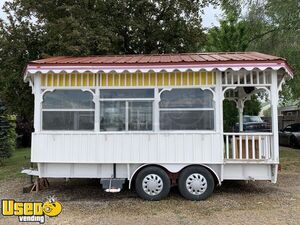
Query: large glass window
[[126, 109], [112, 116], [139, 115], [186, 98], [68, 110], [186, 109]]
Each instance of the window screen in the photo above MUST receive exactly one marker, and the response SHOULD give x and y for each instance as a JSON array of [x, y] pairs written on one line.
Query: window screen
[[126, 109], [68, 110], [186, 109], [140, 115], [68, 99], [186, 98], [65, 120], [112, 116]]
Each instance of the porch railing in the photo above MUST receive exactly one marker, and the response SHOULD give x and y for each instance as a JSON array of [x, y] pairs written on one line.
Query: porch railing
[[248, 146]]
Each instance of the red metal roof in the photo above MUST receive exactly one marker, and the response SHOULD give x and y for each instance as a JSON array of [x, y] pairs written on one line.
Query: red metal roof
[[184, 58], [208, 61]]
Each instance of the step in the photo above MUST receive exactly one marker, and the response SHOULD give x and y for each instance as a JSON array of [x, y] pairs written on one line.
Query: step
[[112, 185]]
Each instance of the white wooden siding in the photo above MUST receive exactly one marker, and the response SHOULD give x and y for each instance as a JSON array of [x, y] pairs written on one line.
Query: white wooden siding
[[126, 148]]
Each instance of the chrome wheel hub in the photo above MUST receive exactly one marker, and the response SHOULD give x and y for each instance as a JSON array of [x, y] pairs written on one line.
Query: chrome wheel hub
[[196, 184], [152, 184]]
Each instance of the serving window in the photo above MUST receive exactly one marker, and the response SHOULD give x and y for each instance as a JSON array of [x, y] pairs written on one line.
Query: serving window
[[68, 110], [126, 109], [186, 109]]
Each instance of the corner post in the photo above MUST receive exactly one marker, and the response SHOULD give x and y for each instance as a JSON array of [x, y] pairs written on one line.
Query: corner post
[[97, 109], [274, 105], [218, 98], [219, 104], [156, 109], [37, 102]]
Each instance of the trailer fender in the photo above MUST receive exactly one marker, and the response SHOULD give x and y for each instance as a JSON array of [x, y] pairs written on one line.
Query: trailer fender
[[174, 168]]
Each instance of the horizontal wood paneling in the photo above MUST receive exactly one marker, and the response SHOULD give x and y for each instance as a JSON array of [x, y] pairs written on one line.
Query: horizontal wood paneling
[[127, 148]]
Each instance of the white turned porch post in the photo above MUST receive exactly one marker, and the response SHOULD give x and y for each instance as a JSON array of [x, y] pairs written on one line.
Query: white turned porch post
[[274, 105], [240, 106], [37, 102]]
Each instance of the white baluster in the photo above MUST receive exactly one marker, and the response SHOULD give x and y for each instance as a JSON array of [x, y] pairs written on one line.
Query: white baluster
[[241, 146], [253, 147], [247, 148], [227, 147], [233, 146], [259, 147]]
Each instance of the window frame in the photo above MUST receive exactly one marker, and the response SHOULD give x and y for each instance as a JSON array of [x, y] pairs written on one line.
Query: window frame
[[45, 91], [95, 91], [127, 100], [213, 108]]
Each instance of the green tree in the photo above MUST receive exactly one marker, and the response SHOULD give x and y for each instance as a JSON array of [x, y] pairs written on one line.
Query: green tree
[[253, 106], [116, 26], [233, 35], [37, 29], [275, 27], [7, 134], [20, 42], [230, 115]]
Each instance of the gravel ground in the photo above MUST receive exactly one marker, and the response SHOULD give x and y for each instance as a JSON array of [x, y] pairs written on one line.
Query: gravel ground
[[84, 202]]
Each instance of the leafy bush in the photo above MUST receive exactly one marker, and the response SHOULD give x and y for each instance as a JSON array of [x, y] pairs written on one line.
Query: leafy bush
[[7, 134]]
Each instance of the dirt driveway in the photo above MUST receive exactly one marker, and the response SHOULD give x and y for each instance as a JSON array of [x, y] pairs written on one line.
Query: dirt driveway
[[233, 203]]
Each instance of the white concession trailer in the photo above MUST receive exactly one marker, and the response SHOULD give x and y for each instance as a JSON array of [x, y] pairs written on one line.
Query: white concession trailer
[[153, 120]]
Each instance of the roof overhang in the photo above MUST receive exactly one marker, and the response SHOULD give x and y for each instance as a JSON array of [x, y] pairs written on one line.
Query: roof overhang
[[81, 68]]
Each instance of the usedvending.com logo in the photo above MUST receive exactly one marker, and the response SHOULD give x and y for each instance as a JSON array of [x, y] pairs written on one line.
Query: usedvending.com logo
[[31, 211]]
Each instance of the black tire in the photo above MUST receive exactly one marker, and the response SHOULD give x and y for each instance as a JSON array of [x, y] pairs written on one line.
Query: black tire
[[201, 176], [293, 142], [153, 174]]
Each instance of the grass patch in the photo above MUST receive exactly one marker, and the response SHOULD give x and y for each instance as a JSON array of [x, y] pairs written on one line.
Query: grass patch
[[12, 167], [290, 159]]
